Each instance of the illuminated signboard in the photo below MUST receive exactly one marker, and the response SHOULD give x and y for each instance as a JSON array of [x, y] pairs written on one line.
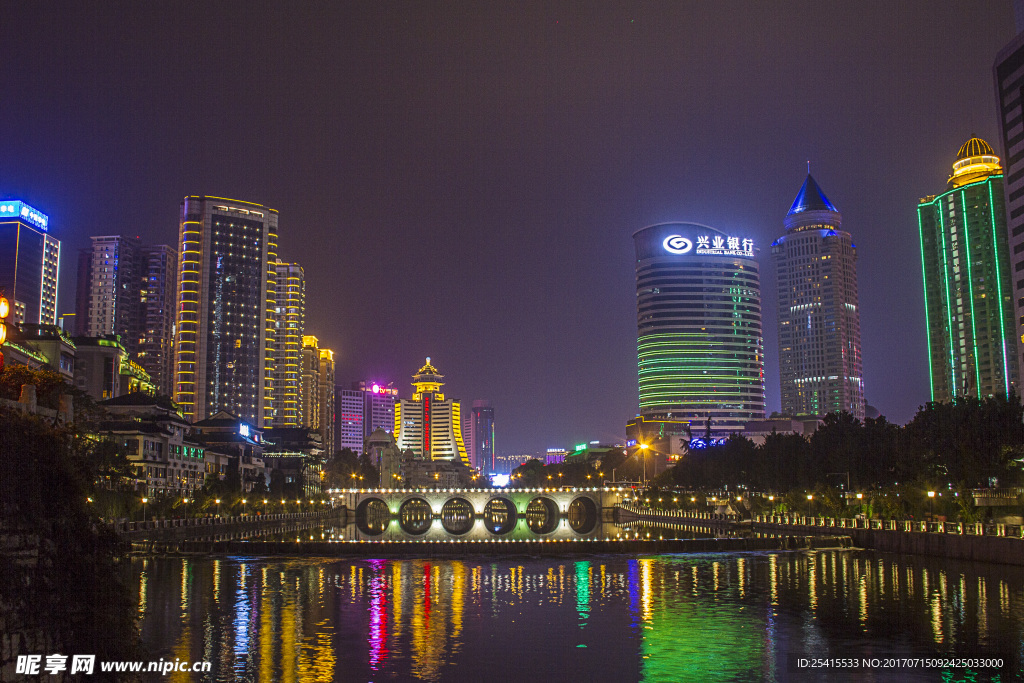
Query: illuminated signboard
[[14, 209], [631, 442], [243, 429], [581, 447], [708, 245]]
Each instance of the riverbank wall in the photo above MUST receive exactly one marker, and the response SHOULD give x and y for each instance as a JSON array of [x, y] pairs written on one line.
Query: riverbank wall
[[456, 548]]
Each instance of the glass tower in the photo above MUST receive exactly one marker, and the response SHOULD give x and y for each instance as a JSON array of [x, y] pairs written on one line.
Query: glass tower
[[29, 263], [699, 342], [967, 287], [819, 318]]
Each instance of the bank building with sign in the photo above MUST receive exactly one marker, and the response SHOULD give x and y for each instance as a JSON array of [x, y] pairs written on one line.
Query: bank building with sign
[[820, 366], [699, 340]]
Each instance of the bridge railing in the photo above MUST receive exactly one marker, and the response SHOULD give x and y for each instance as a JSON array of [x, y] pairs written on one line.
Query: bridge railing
[[125, 526], [903, 525], [679, 514]]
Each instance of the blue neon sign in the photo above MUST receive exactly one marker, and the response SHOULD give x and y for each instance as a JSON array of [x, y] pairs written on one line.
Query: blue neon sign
[[10, 208]]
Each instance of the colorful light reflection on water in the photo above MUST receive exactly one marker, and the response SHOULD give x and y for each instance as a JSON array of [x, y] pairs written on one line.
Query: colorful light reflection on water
[[731, 617]]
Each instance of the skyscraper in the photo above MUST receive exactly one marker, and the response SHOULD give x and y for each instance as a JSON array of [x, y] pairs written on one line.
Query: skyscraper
[[429, 424], [348, 419], [224, 346], [699, 344], [128, 289], [378, 406], [481, 436], [819, 317], [968, 290], [1008, 72], [316, 395], [157, 296], [289, 316], [29, 263]]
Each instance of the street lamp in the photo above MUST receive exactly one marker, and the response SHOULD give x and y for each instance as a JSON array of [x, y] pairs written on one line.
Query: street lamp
[[144, 501], [809, 499], [931, 504], [643, 458], [218, 507], [243, 507], [185, 501]]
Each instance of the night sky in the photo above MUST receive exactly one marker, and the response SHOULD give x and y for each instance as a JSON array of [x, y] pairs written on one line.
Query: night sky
[[461, 180]]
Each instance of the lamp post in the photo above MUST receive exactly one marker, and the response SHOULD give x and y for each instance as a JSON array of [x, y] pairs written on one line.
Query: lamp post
[[643, 459], [218, 507], [243, 507], [810, 498], [264, 506], [185, 501], [144, 501], [931, 504]]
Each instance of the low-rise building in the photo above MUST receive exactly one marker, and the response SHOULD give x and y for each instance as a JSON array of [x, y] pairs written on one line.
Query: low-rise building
[[241, 442], [103, 369]]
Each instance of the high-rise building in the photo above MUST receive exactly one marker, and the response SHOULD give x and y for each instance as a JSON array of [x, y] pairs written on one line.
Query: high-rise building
[[348, 419], [128, 289], [378, 406], [968, 290], [289, 320], [316, 394], [480, 446], [819, 317], [224, 348], [29, 263], [429, 424], [699, 342], [1008, 72], [156, 331], [112, 299]]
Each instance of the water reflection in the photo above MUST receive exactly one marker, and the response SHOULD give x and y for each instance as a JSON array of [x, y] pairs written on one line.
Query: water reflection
[[670, 617]]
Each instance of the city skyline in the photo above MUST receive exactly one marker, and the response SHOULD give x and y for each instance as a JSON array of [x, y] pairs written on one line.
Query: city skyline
[[514, 179]]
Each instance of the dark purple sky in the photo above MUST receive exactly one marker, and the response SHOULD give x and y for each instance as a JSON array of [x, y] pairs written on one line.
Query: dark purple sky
[[462, 179]]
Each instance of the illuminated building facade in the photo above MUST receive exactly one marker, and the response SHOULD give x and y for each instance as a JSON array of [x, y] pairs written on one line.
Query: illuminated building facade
[[128, 289], [348, 419], [481, 436], [699, 342], [1008, 72], [289, 317], [378, 406], [967, 281], [316, 392], [429, 424], [819, 316], [224, 344], [29, 263]]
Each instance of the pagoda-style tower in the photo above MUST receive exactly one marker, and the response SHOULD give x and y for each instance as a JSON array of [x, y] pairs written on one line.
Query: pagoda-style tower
[[429, 424]]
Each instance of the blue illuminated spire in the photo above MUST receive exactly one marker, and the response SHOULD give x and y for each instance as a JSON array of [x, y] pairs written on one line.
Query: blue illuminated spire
[[811, 198]]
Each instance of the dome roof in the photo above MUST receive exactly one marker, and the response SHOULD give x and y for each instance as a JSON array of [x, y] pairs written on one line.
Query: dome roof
[[975, 147]]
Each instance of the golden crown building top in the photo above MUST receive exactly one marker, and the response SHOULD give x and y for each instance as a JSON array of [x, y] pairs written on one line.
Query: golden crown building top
[[975, 161], [428, 380]]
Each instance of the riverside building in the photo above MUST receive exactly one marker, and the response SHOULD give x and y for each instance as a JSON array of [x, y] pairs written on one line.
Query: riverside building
[[699, 342], [29, 263], [429, 424], [968, 289], [819, 317], [224, 344]]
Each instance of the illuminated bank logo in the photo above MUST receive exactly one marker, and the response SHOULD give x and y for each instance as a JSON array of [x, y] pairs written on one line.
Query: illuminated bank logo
[[25, 212], [677, 244], [724, 246]]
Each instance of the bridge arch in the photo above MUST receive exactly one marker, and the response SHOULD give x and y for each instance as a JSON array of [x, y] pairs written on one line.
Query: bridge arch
[[373, 516], [542, 515], [457, 516], [415, 515]]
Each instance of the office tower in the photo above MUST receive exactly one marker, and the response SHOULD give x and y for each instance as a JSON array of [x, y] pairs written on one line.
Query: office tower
[[480, 446], [699, 344], [429, 424], [378, 406], [1008, 72], [308, 391], [157, 292], [224, 347], [29, 263], [819, 317], [968, 289], [289, 322], [348, 419]]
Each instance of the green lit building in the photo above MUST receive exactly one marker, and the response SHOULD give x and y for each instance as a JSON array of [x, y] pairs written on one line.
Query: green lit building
[[968, 297], [699, 341]]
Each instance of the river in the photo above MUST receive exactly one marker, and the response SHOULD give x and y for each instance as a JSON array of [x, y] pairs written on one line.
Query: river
[[702, 617]]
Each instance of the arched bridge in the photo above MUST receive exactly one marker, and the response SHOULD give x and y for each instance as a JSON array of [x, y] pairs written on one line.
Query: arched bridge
[[478, 514]]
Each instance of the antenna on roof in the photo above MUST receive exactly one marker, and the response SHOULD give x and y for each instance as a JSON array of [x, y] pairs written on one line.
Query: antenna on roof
[[808, 167]]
